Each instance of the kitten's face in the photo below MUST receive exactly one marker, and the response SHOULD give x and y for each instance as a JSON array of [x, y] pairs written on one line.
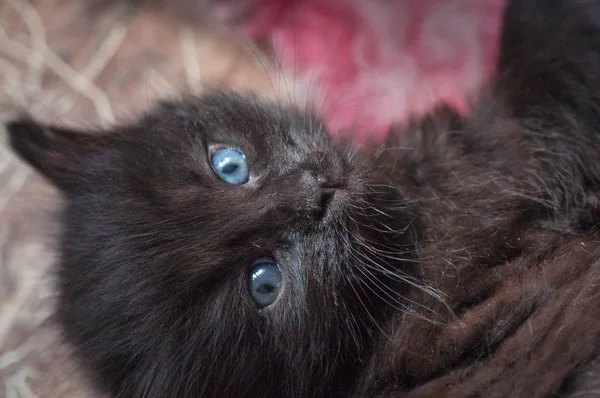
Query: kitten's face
[[218, 246]]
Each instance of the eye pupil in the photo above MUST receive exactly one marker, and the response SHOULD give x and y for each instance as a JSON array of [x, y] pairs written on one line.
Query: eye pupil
[[265, 282], [230, 165], [230, 169], [266, 289]]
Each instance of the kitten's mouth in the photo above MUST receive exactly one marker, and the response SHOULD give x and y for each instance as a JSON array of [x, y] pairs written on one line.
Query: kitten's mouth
[[327, 195]]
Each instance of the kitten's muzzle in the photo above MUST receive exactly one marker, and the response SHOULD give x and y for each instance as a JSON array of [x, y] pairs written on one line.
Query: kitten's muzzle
[[301, 194]]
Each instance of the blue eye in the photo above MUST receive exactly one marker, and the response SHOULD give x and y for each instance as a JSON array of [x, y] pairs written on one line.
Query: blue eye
[[265, 282], [230, 165]]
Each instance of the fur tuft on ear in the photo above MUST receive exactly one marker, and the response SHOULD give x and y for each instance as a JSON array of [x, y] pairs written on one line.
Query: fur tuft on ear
[[48, 149]]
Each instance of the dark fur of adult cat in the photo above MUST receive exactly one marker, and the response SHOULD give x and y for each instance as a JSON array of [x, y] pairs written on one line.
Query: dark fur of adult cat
[[460, 260]]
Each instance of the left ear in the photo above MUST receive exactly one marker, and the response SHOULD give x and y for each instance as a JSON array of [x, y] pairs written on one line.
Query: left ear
[[50, 150]]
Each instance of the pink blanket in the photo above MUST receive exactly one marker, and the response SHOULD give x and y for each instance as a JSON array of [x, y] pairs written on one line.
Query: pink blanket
[[374, 63]]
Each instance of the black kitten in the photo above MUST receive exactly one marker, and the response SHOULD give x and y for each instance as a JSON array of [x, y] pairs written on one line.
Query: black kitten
[[217, 237], [225, 247]]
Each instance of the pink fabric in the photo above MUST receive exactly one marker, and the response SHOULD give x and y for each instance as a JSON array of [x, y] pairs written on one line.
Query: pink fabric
[[374, 63]]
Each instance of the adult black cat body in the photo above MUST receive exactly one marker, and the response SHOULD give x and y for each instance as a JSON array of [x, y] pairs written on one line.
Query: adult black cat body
[[460, 260]]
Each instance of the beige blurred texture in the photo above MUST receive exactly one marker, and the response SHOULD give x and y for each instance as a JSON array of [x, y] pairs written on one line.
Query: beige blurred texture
[[65, 64]]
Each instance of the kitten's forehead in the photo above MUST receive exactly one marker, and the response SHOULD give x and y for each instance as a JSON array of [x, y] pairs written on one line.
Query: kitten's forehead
[[266, 133], [265, 124]]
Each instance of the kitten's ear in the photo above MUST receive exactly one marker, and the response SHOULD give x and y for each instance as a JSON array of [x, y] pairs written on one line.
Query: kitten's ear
[[50, 150]]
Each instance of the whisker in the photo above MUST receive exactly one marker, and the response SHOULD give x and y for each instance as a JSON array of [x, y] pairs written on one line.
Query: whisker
[[395, 303]]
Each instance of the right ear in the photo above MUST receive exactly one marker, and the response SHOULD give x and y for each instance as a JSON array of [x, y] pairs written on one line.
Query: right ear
[[50, 150]]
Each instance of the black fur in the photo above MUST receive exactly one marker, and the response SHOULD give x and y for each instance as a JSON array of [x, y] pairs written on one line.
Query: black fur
[[464, 266]]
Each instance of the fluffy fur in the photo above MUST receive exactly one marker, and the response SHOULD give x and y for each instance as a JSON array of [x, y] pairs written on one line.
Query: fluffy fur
[[460, 259]]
